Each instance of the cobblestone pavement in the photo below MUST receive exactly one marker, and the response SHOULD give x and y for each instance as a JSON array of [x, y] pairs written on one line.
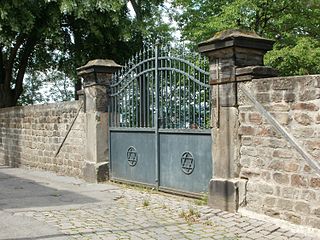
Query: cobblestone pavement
[[122, 212]]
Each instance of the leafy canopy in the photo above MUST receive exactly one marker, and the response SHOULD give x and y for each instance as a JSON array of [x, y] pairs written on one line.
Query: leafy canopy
[[294, 24], [38, 34]]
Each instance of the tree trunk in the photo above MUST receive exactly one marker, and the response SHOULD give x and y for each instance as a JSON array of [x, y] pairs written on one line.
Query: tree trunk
[[7, 97], [77, 87]]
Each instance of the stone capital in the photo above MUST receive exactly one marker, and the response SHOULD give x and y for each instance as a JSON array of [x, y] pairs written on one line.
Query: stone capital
[[98, 71]]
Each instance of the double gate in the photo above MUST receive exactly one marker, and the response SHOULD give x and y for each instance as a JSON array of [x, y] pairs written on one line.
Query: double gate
[[159, 121]]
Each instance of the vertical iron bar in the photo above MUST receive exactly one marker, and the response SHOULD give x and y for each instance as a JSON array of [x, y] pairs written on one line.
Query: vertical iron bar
[[115, 108], [148, 90], [137, 104], [170, 103], [199, 78], [116, 105], [125, 106], [140, 91], [166, 86], [160, 96], [194, 91], [132, 104], [184, 98], [179, 79], [205, 95], [157, 180], [189, 96], [153, 93], [175, 93]]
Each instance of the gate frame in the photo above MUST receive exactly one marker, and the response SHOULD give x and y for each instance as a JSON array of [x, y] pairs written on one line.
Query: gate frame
[[155, 128]]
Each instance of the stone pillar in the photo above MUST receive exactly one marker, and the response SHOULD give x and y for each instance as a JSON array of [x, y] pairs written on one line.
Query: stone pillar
[[230, 53], [96, 75]]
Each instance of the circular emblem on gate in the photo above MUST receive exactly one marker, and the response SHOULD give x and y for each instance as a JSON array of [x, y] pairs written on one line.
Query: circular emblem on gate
[[132, 156], [187, 163]]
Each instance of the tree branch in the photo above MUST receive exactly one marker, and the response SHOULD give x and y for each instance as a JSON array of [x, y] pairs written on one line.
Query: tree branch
[[2, 70], [23, 63], [13, 55], [137, 9]]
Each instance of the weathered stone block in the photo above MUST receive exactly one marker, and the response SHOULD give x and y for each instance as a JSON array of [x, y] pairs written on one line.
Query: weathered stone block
[[308, 95], [95, 172], [226, 194], [266, 131], [291, 167], [281, 178], [255, 118], [246, 130], [303, 119], [269, 202], [284, 204], [302, 207], [315, 182], [282, 118], [263, 97], [246, 141], [266, 188], [298, 181], [305, 106], [318, 118], [249, 151], [289, 97], [249, 173], [276, 97], [290, 192], [283, 84]]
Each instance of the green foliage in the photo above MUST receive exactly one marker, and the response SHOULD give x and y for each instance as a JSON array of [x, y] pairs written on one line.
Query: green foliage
[[292, 23], [36, 35], [300, 59], [31, 93]]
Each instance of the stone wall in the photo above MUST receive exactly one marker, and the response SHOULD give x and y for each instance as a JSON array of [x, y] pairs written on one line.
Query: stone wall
[[30, 136], [280, 183]]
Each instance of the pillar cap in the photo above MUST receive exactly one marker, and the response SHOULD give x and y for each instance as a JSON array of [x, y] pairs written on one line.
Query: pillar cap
[[98, 66], [235, 38]]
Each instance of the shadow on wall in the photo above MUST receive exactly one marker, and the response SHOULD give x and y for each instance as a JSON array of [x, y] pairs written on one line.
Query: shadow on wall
[[10, 133]]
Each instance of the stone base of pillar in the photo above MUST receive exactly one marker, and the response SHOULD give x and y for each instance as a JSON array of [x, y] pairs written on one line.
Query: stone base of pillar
[[227, 194], [96, 172]]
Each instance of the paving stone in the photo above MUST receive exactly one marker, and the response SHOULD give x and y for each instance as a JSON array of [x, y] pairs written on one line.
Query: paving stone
[[112, 217]]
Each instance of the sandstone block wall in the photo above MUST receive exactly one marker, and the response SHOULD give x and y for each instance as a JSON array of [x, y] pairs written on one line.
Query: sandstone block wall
[[280, 183], [30, 137]]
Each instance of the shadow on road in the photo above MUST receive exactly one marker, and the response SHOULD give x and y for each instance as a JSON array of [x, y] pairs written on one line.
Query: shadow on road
[[19, 192], [105, 231]]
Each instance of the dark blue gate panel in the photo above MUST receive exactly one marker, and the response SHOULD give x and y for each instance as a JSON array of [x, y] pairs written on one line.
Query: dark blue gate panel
[[186, 163], [132, 156]]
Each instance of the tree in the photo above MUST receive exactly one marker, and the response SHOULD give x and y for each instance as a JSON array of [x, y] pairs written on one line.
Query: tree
[[292, 23], [35, 35]]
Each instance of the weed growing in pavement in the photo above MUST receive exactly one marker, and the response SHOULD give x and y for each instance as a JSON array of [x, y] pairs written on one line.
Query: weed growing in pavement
[[146, 203], [203, 200], [208, 223], [190, 215]]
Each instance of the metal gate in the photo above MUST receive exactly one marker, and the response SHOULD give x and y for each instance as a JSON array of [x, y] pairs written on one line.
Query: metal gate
[[159, 121]]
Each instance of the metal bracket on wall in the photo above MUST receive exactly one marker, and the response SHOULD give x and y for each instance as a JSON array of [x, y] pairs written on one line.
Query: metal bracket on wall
[[65, 137], [282, 131]]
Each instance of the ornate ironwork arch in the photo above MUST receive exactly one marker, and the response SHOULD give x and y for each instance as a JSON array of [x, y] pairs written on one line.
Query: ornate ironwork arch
[[170, 85]]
